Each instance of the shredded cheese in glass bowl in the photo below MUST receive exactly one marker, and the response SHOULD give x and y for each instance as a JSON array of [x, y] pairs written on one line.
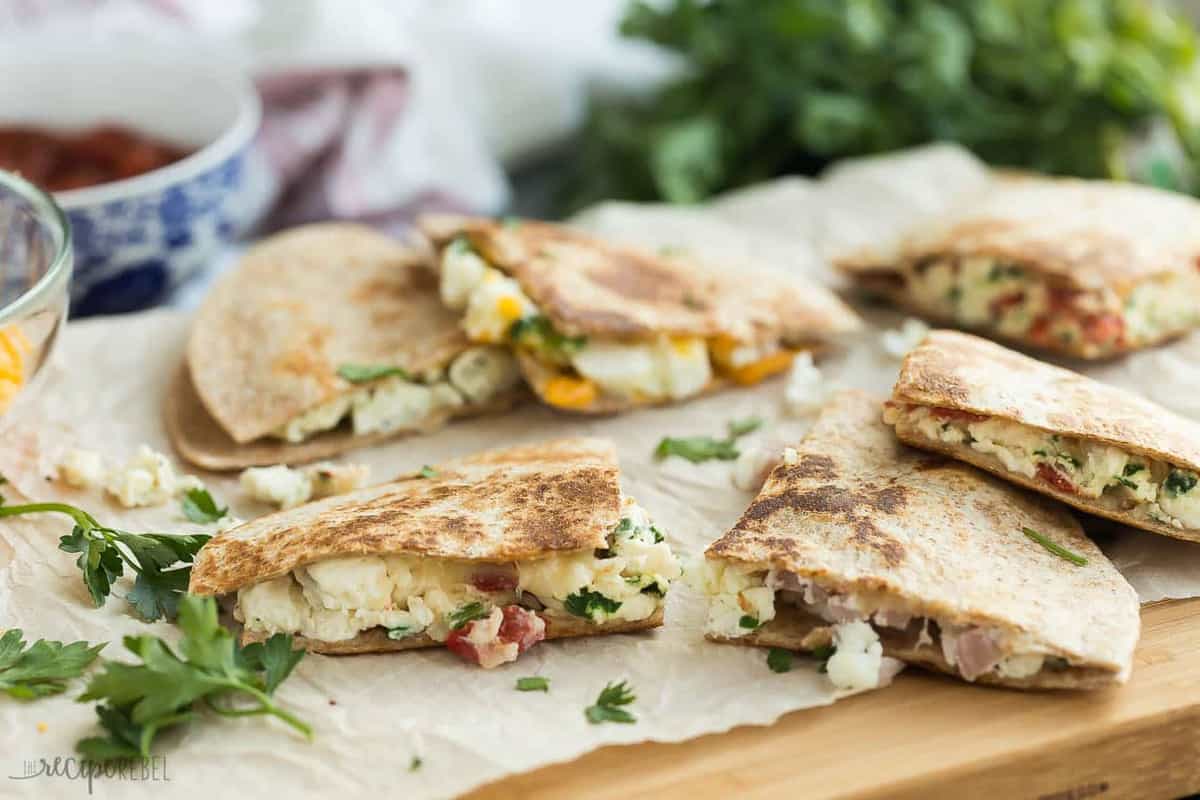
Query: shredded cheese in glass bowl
[[35, 271]]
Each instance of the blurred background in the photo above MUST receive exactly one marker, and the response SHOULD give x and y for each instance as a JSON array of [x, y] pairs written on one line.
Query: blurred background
[[174, 131]]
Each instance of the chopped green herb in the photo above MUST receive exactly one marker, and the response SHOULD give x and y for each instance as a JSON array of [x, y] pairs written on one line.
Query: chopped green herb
[[43, 668], [624, 526], [1179, 482], [1057, 550], [401, 632], [1057, 663], [1041, 453], [459, 245], [1070, 459], [658, 536], [748, 621], [168, 686], [607, 707], [538, 333], [415, 764], [363, 373], [1133, 469], [691, 301], [162, 562], [427, 472], [823, 654], [464, 614], [199, 507], [654, 589], [780, 660], [534, 684], [587, 603], [1127, 482], [954, 294], [697, 449], [741, 427]]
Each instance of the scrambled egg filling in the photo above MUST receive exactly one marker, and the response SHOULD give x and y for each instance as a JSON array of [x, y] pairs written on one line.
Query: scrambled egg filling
[[476, 376], [1123, 481], [496, 310], [336, 599], [983, 292], [744, 597], [282, 486]]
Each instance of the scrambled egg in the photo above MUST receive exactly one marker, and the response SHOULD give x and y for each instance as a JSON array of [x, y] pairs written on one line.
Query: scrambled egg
[[14, 347], [282, 486], [736, 594], [857, 657], [335, 599], [666, 368]]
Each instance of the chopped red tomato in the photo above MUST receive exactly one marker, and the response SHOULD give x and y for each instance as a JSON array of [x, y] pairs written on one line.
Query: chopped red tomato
[[1063, 299], [954, 413], [1104, 328], [1055, 477], [498, 638], [495, 578], [1004, 302]]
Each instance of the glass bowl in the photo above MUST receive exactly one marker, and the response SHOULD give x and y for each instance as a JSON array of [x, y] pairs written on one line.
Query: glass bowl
[[35, 271]]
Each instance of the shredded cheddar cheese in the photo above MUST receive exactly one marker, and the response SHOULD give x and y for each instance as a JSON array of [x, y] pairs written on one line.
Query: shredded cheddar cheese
[[762, 369], [14, 346], [568, 392], [509, 308]]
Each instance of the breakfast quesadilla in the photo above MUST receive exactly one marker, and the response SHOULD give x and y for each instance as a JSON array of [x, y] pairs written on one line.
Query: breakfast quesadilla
[[326, 338], [600, 328], [486, 556], [1085, 268], [1094, 446], [861, 545]]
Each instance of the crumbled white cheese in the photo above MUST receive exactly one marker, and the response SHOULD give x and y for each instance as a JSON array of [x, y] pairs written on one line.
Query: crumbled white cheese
[[806, 391], [462, 270], [857, 657], [754, 464], [278, 485], [665, 368], [316, 420], [1020, 665], [147, 479], [737, 596], [898, 343], [82, 469], [329, 479]]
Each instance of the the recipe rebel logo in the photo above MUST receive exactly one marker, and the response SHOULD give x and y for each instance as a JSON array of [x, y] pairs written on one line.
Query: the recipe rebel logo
[[152, 769]]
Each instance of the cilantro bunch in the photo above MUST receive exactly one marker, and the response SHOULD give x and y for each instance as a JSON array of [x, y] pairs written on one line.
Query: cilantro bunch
[[168, 687], [773, 87], [162, 562]]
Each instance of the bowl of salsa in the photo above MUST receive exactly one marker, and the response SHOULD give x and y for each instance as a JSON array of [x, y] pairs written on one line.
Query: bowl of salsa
[[147, 155]]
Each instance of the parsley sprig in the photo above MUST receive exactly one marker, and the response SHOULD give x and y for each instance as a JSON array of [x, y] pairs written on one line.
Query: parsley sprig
[[588, 604], [43, 668], [468, 613], [169, 687], [365, 373], [1056, 549], [200, 507], [608, 705], [161, 561], [698, 449]]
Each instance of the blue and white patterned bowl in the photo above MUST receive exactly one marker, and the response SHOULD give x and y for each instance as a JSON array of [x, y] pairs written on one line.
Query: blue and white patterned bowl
[[135, 239]]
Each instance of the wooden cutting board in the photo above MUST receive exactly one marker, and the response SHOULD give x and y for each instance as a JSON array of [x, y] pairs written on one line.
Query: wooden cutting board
[[932, 737]]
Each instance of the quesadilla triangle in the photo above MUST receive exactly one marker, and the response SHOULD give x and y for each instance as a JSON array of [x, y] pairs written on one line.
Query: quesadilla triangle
[[1090, 269], [1097, 447], [325, 338], [487, 557], [879, 551], [599, 328]]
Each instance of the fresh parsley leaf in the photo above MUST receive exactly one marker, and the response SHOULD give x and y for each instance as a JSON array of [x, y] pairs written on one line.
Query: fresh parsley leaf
[[539, 334], [587, 604], [624, 526], [166, 686], [748, 621], [741, 427], [1179, 482], [607, 707], [400, 632], [364, 373], [658, 535], [534, 684], [161, 561], [1057, 550], [1133, 469], [1127, 482], [427, 472], [654, 589], [780, 660], [199, 507], [415, 764], [823, 654], [43, 668], [464, 614], [697, 449]]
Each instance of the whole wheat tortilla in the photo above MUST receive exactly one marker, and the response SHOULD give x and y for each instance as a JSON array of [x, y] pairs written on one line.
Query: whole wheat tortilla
[[966, 373], [586, 286], [267, 343], [1077, 234], [859, 511]]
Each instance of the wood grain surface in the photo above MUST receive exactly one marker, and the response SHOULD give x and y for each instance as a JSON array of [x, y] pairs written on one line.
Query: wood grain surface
[[932, 737]]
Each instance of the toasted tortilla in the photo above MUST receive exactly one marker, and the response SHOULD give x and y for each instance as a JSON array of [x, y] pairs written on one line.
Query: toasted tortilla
[[589, 287], [860, 512], [1077, 235], [501, 506], [267, 343], [965, 373]]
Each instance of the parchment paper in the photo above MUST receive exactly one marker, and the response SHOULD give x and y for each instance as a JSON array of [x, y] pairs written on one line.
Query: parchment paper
[[373, 714]]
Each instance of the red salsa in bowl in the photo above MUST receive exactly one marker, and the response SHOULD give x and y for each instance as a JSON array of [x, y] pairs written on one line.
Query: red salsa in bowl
[[59, 161]]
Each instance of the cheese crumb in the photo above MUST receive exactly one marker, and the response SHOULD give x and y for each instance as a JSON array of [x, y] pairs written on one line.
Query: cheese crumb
[[855, 663], [329, 479], [147, 479], [277, 485], [82, 469], [806, 390], [898, 343]]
